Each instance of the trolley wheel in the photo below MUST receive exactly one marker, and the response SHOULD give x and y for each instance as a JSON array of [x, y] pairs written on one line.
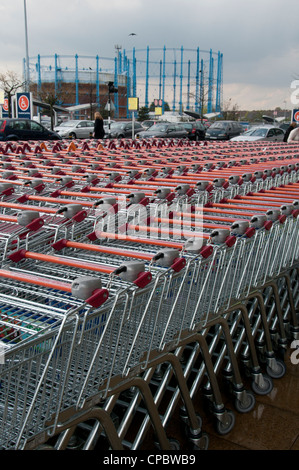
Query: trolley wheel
[[174, 444], [244, 406], [222, 427], [279, 371], [185, 420], [200, 443], [265, 388]]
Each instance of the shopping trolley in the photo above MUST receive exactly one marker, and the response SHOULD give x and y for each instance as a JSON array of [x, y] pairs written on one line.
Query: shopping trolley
[[232, 259], [39, 321], [94, 335]]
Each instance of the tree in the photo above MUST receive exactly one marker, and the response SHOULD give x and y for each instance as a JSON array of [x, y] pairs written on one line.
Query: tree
[[10, 83], [51, 99], [152, 107], [143, 113], [230, 112]]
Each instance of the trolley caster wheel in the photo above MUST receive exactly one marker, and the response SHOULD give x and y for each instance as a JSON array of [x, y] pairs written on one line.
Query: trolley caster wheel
[[174, 444], [199, 424], [194, 435], [247, 404], [281, 352], [185, 418], [294, 332], [263, 387], [200, 443], [225, 423], [278, 370]]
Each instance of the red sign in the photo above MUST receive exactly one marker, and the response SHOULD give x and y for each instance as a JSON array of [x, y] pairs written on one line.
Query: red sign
[[296, 116], [23, 103], [5, 104]]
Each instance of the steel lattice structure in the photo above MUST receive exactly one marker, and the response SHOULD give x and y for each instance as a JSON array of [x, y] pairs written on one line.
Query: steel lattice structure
[[186, 79]]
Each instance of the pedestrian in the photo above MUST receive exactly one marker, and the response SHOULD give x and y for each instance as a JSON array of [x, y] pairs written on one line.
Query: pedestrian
[[294, 135], [98, 131], [289, 129]]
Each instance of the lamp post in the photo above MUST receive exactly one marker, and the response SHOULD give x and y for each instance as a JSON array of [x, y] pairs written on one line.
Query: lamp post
[[27, 55]]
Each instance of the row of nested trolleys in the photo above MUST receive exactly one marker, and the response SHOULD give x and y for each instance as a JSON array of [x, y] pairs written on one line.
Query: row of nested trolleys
[[131, 276]]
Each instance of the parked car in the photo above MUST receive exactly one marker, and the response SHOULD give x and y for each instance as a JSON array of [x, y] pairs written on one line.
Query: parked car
[[43, 120], [261, 133], [106, 125], [148, 123], [223, 130], [284, 126], [160, 130], [76, 129], [196, 130], [120, 130], [25, 129]]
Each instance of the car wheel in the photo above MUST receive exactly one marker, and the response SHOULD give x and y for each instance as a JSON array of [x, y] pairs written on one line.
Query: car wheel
[[73, 135], [121, 136]]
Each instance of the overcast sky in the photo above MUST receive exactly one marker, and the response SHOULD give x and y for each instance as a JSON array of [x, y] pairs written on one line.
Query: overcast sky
[[258, 38]]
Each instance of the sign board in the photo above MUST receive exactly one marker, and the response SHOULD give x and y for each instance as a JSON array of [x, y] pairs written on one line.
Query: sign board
[[5, 108], [158, 103], [109, 106], [133, 104], [295, 115], [158, 111], [24, 105]]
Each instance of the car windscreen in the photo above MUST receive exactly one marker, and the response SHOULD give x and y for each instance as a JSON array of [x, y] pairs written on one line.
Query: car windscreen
[[116, 125], [218, 125], [158, 127], [68, 124], [260, 132], [249, 132]]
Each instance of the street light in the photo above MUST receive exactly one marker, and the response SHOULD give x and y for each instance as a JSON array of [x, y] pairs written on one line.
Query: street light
[[27, 55]]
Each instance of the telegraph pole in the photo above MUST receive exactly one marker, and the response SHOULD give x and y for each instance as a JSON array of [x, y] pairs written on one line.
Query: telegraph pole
[[27, 55]]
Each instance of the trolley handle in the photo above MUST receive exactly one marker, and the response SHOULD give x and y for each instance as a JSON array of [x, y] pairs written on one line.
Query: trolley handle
[[131, 271], [241, 228], [90, 290], [84, 288], [6, 189], [221, 236], [134, 271], [73, 211], [198, 246], [170, 257], [30, 219]]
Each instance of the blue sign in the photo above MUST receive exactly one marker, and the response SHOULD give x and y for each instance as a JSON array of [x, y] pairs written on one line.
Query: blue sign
[[295, 115], [4, 108], [24, 105]]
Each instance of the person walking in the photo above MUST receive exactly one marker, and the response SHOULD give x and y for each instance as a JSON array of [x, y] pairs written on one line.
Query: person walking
[[98, 131], [288, 131], [294, 135]]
